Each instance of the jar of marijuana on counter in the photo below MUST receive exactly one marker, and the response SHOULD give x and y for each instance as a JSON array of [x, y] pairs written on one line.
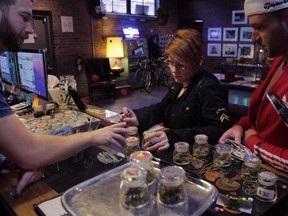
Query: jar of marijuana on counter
[[134, 192], [132, 141], [181, 154], [143, 160], [201, 146], [222, 155], [172, 188]]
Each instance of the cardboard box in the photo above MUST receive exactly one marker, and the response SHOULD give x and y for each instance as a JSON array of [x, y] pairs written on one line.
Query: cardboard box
[[123, 91]]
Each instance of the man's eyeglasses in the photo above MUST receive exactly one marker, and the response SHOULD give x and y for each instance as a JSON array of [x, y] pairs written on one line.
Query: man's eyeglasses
[[171, 65]]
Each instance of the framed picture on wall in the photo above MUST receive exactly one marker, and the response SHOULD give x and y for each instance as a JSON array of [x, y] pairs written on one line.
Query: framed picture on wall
[[229, 50], [230, 34], [246, 34], [238, 17], [246, 51], [214, 34], [214, 49]]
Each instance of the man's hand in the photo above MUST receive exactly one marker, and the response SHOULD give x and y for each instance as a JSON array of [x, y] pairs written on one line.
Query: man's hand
[[235, 133], [27, 177], [249, 133]]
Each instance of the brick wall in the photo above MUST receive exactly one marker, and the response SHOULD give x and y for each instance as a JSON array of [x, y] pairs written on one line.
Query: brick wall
[[214, 14], [67, 46]]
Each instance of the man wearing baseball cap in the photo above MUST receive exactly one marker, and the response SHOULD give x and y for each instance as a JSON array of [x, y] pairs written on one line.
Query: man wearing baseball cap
[[263, 130]]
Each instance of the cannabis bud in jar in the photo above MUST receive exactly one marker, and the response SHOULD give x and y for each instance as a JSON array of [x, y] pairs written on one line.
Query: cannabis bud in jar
[[172, 188], [222, 155], [132, 141], [134, 192], [181, 154], [201, 146], [143, 160]]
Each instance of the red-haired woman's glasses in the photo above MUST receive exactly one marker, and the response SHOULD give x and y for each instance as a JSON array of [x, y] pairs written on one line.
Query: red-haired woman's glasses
[[171, 65]]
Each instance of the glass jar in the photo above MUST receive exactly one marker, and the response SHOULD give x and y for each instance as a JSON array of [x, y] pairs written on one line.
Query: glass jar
[[132, 142], [267, 187], [249, 173], [134, 192], [50, 108], [250, 168], [222, 155], [62, 107], [143, 160], [181, 154], [38, 111], [171, 188], [145, 134], [201, 146]]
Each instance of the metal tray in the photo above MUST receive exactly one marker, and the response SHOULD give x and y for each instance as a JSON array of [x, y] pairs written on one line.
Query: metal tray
[[100, 196]]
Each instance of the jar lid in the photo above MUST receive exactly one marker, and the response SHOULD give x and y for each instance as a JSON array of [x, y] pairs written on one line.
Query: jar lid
[[139, 156], [132, 141], [252, 161], [132, 130], [148, 132], [172, 175], [63, 105], [50, 106], [267, 178], [38, 108], [223, 148], [181, 146], [201, 138], [135, 176]]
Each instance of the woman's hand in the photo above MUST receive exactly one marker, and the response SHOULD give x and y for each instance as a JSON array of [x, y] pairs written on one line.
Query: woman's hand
[[156, 141], [129, 117]]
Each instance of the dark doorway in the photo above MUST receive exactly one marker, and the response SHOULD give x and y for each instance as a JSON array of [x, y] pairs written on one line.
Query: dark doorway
[[191, 24], [42, 37]]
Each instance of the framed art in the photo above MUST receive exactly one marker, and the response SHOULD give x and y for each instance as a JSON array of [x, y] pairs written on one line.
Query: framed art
[[246, 34], [238, 17], [229, 50], [214, 34], [214, 49], [246, 50], [230, 34]]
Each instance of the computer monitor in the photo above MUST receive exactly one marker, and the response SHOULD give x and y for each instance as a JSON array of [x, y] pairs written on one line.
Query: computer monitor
[[8, 68], [32, 72]]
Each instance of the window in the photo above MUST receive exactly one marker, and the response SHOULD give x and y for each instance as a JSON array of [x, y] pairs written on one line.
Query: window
[[116, 6], [137, 7]]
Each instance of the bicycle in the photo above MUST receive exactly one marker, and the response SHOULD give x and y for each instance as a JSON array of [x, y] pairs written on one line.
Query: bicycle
[[162, 73], [150, 71]]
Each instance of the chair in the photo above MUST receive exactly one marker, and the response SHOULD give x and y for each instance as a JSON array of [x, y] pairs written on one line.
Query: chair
[[97, 72]]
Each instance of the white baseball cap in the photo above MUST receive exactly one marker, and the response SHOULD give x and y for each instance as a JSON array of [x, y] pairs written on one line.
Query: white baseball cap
[[252, 7]]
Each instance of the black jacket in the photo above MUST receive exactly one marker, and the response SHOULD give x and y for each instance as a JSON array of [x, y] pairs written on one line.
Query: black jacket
[[202, 109]]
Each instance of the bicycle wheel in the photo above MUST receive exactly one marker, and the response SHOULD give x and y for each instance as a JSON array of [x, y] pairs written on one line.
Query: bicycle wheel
[[138, 78], [147, 81], [168, 80]]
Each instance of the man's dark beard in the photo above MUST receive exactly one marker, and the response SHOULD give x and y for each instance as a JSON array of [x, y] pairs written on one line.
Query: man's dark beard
[[8, 36]]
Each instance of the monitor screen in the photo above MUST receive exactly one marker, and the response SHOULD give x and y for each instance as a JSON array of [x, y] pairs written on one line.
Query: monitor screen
[[8, 68], [33, 72]]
